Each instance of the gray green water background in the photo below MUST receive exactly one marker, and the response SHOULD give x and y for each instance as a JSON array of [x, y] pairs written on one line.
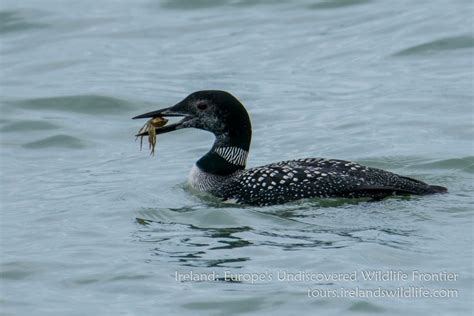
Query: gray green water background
[[385, 83]]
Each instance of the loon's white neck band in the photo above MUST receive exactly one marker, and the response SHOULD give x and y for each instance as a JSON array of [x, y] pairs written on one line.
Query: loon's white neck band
[[233, 155]]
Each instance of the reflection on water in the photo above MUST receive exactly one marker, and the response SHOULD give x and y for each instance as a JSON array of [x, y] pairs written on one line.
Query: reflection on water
[[193, 236]]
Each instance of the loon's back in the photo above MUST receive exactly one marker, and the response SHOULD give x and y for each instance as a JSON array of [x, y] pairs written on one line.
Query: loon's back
[[315, 177]]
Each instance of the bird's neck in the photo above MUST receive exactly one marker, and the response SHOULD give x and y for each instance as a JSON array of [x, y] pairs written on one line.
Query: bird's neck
[[227, 155]]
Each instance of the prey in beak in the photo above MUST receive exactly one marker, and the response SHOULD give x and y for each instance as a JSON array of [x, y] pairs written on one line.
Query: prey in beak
[[157, 125], [168, 112], [150, 129]]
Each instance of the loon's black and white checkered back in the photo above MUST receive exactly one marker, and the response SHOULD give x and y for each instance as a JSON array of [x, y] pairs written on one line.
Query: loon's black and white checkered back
[[307, 178]]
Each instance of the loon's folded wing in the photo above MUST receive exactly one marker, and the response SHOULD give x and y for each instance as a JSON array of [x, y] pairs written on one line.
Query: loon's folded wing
[[374, 192]]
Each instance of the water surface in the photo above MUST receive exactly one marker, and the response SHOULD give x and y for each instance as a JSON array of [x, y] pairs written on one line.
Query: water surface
[[89, 224]]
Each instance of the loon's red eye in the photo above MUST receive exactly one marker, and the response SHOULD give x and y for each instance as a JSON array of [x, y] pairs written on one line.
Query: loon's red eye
[[202, 105]]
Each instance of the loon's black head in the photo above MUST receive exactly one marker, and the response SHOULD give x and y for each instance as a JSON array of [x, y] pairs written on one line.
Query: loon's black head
[[215, 111]]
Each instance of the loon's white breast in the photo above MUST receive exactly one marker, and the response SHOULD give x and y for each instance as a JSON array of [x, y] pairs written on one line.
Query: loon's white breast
[[204, 181]]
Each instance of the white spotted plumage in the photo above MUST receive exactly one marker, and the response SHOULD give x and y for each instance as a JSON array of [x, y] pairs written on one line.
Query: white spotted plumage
[[295, 179]]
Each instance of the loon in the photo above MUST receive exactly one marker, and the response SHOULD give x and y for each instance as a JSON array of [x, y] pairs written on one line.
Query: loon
[[222, 173]]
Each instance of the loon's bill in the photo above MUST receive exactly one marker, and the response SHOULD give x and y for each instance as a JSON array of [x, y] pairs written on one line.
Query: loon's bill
[[222, 171]]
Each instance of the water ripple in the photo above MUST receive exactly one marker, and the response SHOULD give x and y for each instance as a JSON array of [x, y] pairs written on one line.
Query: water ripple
[[16, 21], [444, 44], [27, 125], [57, 141], [334, 4], [86, 104]]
